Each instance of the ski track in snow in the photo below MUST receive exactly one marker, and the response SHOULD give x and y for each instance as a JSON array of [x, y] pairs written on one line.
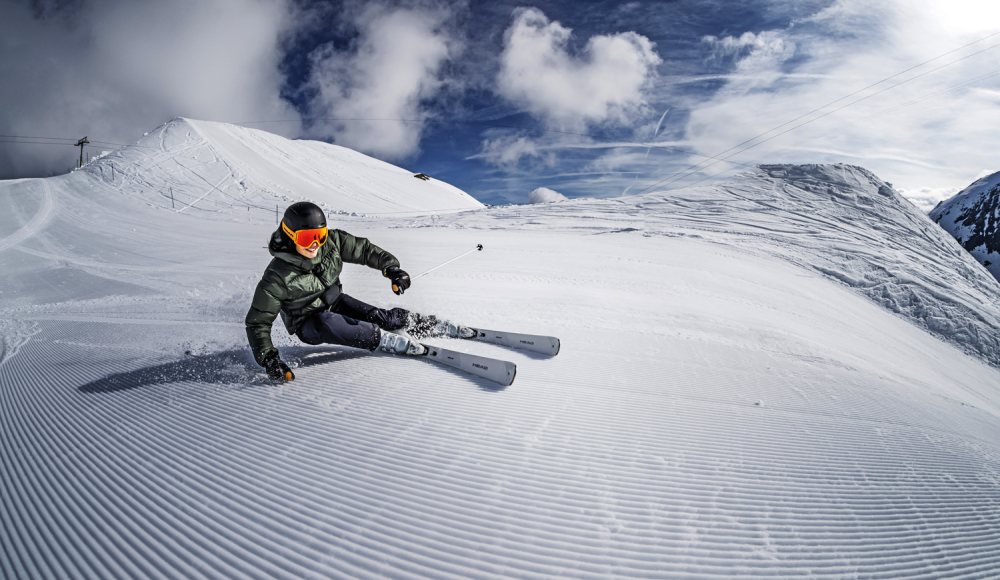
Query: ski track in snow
[[37, 222], [731, 400]]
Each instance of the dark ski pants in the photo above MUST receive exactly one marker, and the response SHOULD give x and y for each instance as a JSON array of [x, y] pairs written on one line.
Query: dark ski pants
[[351, 322]]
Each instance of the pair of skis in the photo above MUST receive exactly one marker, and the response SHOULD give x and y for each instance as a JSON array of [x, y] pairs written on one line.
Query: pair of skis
[[491, 369]]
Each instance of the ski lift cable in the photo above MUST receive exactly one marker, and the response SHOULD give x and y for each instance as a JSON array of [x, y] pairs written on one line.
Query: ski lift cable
[[716, 158], [695, 166], [492, 125], [893, 109], [52, 141], [32, 142], [885, 112], [32, 137], [673, 178]]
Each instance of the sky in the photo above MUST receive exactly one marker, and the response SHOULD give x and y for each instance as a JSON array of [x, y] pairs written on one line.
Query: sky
[[584, 99]]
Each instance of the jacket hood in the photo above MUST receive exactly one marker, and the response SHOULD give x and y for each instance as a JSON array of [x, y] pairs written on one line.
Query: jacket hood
[[281, 246]]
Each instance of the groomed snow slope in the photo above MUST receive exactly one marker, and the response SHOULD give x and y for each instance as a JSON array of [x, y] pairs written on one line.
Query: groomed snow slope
[[734, 396]]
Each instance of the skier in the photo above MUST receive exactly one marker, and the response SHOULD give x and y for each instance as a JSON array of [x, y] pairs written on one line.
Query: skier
[[302, 282]]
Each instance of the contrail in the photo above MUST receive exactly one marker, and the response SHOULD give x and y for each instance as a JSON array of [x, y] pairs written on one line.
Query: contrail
[[658, 123]]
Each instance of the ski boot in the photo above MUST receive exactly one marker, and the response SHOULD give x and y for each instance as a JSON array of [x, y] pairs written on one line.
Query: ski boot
[[399, 344], [422, 326], [457, 330]]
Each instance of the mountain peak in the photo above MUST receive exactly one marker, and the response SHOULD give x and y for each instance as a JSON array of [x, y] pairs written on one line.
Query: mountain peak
[[972, 217], [208, 166]]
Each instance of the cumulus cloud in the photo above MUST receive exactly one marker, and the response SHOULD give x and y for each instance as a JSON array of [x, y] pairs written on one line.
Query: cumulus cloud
[[605, 83], [389, 72], [112, 69], [545, 195]]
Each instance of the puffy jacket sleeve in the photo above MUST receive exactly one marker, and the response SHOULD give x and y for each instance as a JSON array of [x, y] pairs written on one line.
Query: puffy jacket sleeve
[[263, 310], [361, 251]]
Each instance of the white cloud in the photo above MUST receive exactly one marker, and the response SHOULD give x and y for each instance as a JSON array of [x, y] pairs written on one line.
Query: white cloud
[[111, 69], [508, 150], [545, 195], [926, 198], [965, 16], [387, 74], [919, 135], [605, 83], [758, 57]]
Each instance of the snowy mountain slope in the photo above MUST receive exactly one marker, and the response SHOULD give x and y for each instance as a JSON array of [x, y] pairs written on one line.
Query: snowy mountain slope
[[201, 167], [972, 216], [733, 398], [837, 220]]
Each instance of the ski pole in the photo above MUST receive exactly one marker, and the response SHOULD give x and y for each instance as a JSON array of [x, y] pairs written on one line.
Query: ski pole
[[479, 247]]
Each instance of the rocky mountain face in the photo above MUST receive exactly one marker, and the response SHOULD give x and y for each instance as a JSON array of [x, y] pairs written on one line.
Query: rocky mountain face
[[973, 218]]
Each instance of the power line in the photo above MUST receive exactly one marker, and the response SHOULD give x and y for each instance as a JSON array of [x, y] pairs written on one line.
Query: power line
[[34, 142], [29, 137], [71, 142], [885, 112], [497, 126], [18, 139], [893, 109], [716, 156]]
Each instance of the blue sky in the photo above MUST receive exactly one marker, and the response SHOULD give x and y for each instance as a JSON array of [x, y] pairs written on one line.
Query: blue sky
[[596, 99]]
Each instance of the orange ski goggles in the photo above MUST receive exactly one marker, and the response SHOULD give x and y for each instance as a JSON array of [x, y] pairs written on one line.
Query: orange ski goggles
[[306, 238]]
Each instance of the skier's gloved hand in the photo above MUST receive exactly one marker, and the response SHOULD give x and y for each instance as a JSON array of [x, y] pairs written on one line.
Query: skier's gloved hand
[[400, 279], [277, 370], [398, 318]]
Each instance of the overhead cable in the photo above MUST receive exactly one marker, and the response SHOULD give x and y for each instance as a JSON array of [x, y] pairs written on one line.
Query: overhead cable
[[668, 180], [497, 126]]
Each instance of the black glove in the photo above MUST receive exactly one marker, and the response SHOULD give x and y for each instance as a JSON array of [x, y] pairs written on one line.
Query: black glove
[[400, 279], [277, 370], [398, 318]]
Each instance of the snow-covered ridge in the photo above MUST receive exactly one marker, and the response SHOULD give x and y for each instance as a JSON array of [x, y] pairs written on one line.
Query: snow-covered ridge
[[972, 216], [205, 168], [839, 220]]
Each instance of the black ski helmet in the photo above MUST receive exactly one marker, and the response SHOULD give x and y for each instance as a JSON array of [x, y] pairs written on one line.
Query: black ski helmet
[[304, 215]]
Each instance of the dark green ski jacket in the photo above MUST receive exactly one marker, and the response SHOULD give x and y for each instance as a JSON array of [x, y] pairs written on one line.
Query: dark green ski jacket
[[299, 287]]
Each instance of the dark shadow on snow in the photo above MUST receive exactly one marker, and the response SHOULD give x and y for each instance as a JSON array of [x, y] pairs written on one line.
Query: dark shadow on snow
[[237, 367]]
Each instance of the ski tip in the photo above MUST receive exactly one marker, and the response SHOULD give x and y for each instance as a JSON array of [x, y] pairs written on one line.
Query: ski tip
[[511, 373], [558, 345]]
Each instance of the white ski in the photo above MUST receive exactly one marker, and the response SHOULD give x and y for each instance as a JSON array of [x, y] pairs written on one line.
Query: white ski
[[544, 344], [498, 371]]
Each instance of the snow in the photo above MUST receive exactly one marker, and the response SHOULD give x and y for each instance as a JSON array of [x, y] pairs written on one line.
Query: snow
[[791, 374], [545, 195], [190, 165], [971, 217]]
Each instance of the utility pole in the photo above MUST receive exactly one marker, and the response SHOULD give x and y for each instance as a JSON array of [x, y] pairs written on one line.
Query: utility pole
[[80, 144]]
